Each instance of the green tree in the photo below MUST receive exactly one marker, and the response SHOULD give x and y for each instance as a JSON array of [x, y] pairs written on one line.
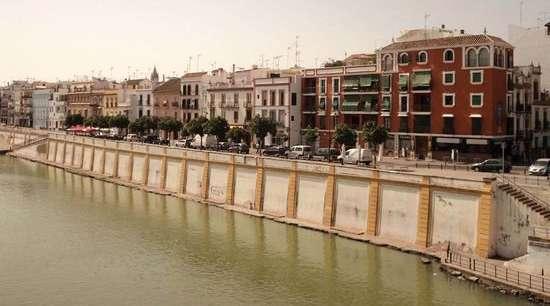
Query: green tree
[[375, 136], [261, 126], [136, 127], [197, 127], [310, 135], [119, 121], [169, 125], [238, 135], [90, 121], [345, 136], [73, 120], [217, 126]]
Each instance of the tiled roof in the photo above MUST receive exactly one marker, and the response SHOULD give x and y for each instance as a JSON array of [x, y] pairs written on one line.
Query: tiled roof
[[465, 40], [171, 86], [194, 74], [134, 82]]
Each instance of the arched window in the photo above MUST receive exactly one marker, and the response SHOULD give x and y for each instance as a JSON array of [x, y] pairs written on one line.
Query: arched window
[[495, 58], [404, 58], [196, 90], [471, 58], [387, 63], [500, 58], [422, 57], [449, 56], [509, 59], [484, 59]]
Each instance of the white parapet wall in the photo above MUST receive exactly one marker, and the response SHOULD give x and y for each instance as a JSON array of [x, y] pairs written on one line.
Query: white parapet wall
[[404, 207]]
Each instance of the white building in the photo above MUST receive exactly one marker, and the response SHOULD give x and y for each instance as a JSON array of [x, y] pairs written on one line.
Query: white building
[[40, 99], [137, 95], [532, 46], [194, 88], [231, 97], [278, 98], [57, 109]]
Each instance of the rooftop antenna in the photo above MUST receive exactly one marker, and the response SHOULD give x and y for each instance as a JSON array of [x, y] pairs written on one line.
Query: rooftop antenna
[[288, 56], [189, 64], [297, 52], [521, 2], [198, 61], [426, 17]]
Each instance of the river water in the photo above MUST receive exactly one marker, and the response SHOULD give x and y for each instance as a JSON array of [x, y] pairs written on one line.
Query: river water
[[72, 240]]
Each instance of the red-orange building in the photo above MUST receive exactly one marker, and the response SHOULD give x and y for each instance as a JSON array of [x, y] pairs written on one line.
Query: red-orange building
[[433, 95]]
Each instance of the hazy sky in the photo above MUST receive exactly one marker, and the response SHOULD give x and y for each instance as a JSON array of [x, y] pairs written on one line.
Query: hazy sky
[[58, 39]]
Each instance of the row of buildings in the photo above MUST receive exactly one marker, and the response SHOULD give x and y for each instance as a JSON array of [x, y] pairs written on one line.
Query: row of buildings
[[435, 90]]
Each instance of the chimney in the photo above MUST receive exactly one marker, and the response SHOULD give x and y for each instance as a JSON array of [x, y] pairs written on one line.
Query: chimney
[[462, 31], [233, 77]]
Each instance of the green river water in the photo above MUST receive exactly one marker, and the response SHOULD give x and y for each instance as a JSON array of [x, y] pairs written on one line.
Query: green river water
[[72, 240]]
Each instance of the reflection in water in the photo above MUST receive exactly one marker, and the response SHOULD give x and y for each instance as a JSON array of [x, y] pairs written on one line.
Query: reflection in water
[[68, 239]]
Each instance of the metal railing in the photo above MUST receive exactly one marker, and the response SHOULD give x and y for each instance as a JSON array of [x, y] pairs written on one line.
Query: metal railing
[[540, 232], [505, 275], [529, 180], [526, 192]]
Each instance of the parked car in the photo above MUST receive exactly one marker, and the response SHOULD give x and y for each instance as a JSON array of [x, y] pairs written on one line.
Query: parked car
[[208, 141], [326, 154], [223, 146], [132, 138], [183, 143], [277, 151], [300, 152], [240, 148], [540, 168], [351, 156], [492, 165], [151, 139]]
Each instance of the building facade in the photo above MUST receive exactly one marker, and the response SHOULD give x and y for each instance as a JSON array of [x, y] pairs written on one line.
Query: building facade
[[279, 98], [167, 99], [532, 46], [57, 109], [433, 95], [40, 107], [194, 88], [138, 94]]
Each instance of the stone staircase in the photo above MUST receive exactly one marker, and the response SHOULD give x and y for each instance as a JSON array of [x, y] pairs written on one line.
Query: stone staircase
[[526, 198]]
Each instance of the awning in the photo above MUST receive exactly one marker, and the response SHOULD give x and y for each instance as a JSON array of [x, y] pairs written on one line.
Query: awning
[[351, 106], [403, 81], [351, 82], [368, 80], [422, 79]]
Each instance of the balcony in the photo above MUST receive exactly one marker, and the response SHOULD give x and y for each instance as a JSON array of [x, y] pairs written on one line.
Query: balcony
[[422, 104], [310, 90], [309, 108]]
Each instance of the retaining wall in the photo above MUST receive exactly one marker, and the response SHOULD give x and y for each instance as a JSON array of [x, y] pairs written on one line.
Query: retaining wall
[[403, 207]]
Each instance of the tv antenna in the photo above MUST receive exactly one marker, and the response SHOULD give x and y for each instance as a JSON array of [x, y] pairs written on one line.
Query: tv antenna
[[297, 53], [426, 17]]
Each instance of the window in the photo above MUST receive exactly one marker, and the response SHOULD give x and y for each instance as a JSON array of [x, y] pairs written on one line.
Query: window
[[281, 97], [197, 90], [322, 123], [335, 103], [236, 99], [422, 57], [448, 99], [336, 85], [404, 124], [264, 97], [404, 104], [403, 59], [404, 82], [476, 77], [386, 82], [223, 99], [471, 58], [484, 58], [422, 80], [386, 104], [184, 90], [272, 96], [536, 91], [448, 125], [322, 103], [248, 98], [476, 100], [476, 125], [387, 123], [387, 63], [281, 117], [235, 116], [273, 115], [448, 78], [294, 99], [449, 56], [323, 86]]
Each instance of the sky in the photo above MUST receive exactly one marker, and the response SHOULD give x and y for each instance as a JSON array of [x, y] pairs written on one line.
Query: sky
[[68, 39]]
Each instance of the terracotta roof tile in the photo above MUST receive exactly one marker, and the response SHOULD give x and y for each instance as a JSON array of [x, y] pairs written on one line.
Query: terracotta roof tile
[[472, 40], [194, 74], [172, 85]]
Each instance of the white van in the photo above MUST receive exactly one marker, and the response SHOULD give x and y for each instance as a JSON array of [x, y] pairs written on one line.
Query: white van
[[300, 152], [352, 157], [540, 168], [208, 141]]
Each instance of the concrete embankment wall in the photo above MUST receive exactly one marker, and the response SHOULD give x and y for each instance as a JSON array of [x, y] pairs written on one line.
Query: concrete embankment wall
[[14, 137], [400, 207]]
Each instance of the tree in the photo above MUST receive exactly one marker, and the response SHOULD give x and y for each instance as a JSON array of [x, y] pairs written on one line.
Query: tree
[[72, 120], [197, 127], [375, 136], [262, 126], [217, 126], [345, 136], [238, 135], [169, 125], [310, 135], [136, 127], [119, 121], [91, 121]]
